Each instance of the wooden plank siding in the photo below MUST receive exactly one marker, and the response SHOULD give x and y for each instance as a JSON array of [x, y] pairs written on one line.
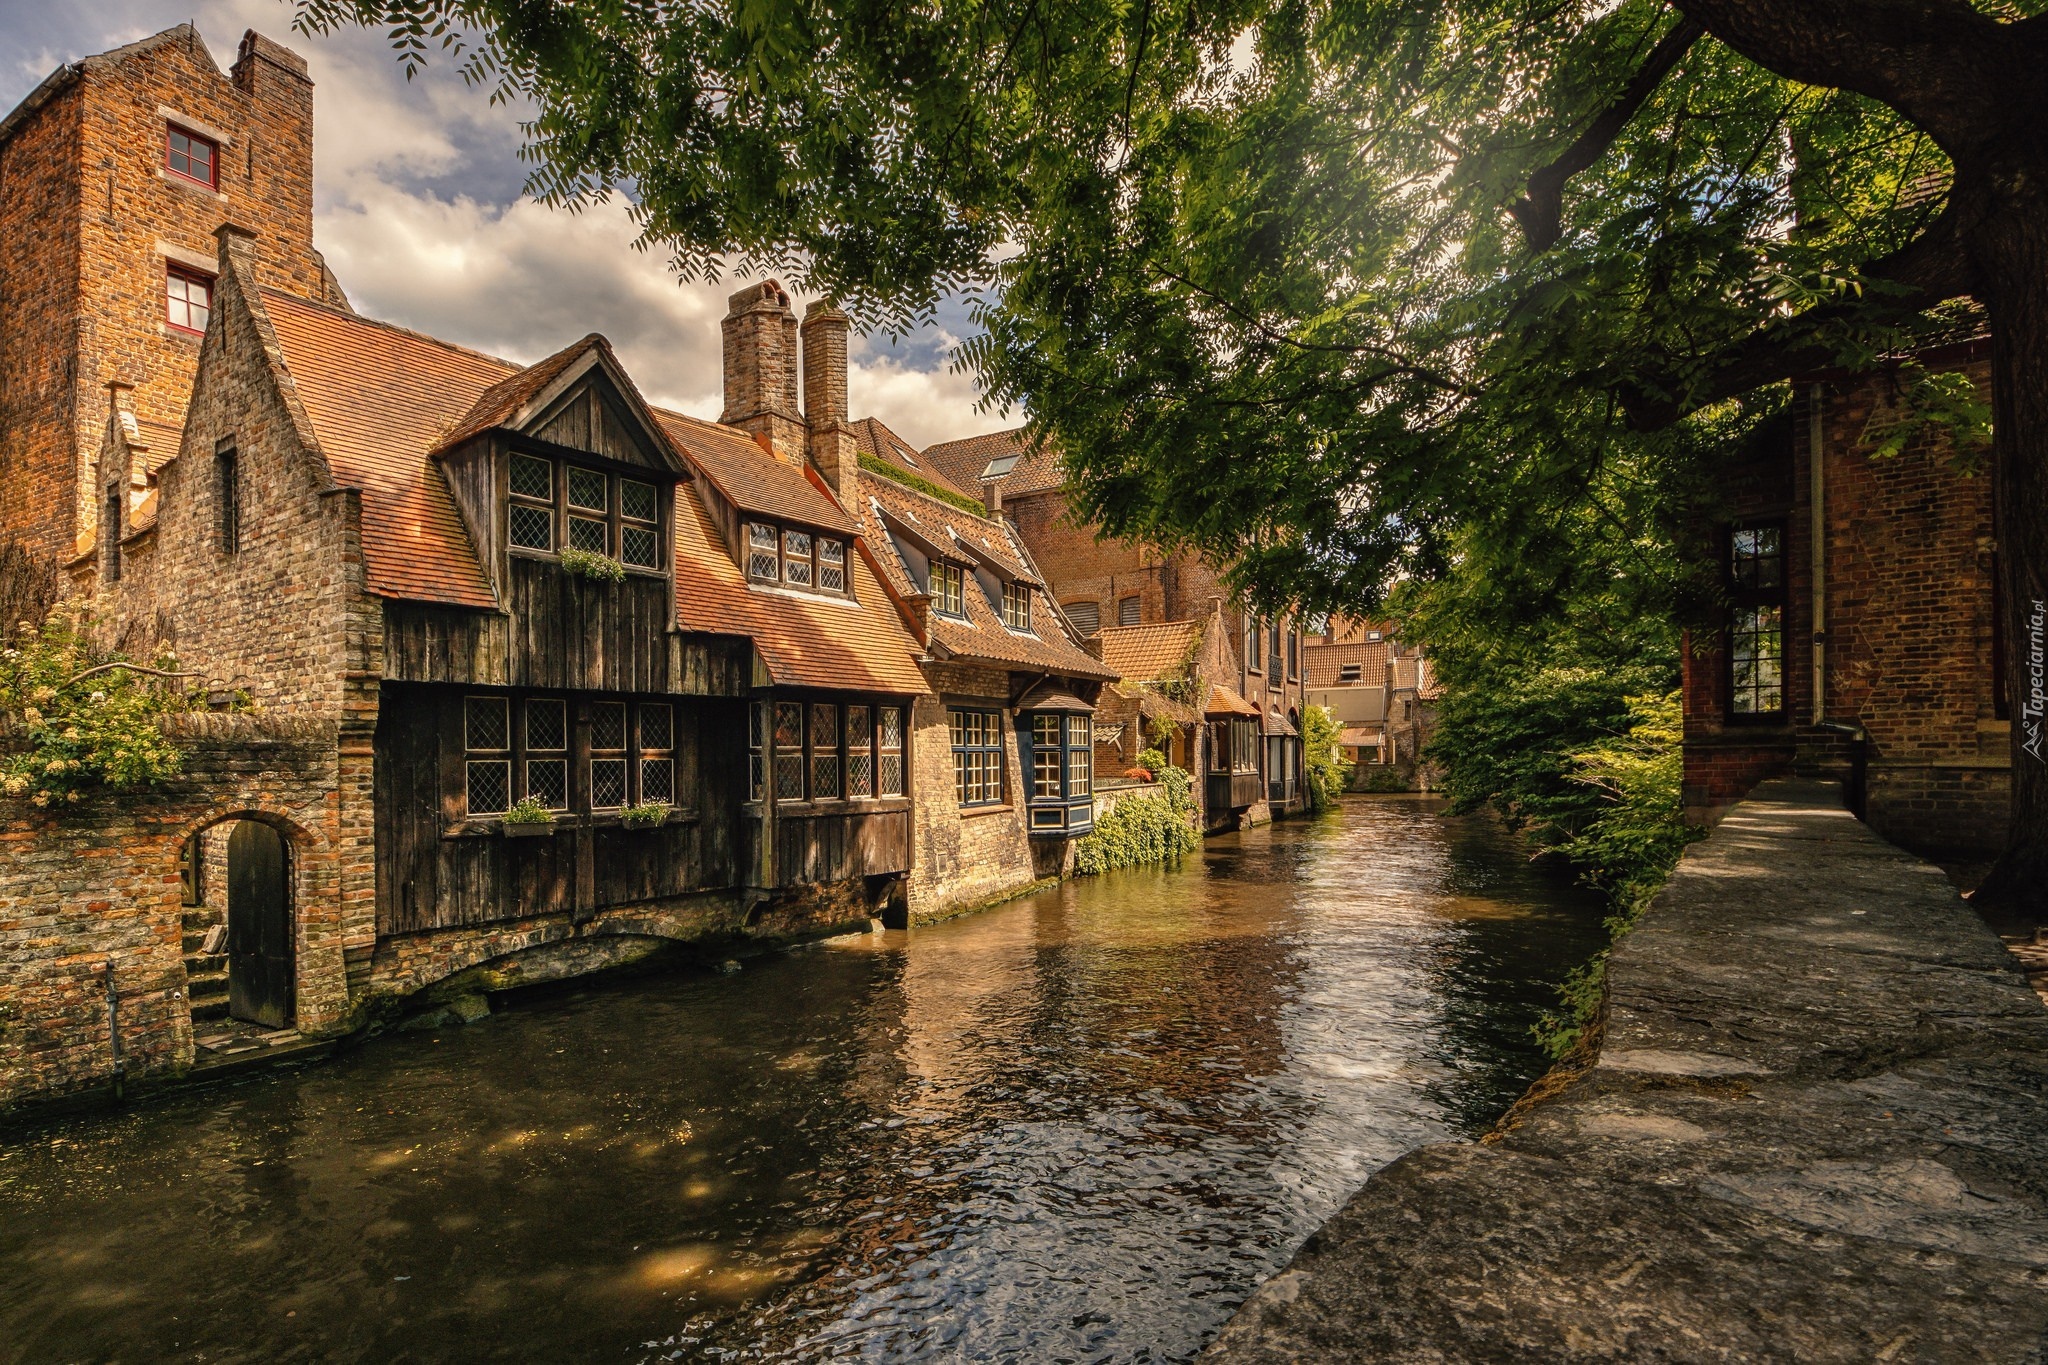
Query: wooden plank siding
[[437, 870], [837, 846]]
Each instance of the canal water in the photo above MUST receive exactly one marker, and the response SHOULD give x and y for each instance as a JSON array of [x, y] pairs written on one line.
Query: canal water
[[1078, 1127]]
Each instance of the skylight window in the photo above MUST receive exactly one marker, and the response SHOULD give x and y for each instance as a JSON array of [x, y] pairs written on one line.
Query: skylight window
[[999, 466]]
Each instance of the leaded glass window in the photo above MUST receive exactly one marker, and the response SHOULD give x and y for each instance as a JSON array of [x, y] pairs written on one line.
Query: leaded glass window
[[796, 558], [832, 565], [889, 752]]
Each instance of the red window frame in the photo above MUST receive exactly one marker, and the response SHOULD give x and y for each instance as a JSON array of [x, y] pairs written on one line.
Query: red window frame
[[172, 304], [193, 140]]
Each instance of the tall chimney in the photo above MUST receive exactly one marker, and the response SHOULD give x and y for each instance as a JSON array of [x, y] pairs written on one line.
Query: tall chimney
[[825, 332], [760, 369]]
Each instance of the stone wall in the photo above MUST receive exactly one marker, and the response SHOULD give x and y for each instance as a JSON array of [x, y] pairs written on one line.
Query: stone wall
[[963, 856], [97, 888]]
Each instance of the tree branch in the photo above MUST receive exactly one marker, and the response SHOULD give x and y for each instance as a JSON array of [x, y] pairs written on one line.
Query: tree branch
[[1931, 269], [1540, 211]]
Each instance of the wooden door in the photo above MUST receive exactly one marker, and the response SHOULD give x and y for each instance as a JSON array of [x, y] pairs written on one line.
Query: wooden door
[[259, 926]]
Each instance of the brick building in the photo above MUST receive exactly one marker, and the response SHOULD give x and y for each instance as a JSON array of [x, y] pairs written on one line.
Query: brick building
[[570, 677], [1381, 693], [1103, 584], [1863, 638]]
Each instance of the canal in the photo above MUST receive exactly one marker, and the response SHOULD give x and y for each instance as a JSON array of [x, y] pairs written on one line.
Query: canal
[[1078, 1127]]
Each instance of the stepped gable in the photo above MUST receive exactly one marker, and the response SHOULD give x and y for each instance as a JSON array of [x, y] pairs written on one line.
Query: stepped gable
[[969, 538], [749, 477], [964, 460], [1323, 665], [803, 639], [380, 398]]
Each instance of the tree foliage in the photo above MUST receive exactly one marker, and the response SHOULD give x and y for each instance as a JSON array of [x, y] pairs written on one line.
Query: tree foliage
[[1325, 769]]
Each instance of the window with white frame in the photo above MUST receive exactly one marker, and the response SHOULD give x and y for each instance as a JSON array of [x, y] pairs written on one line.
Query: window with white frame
[[977, 736], [949, 588], [1017, 606]]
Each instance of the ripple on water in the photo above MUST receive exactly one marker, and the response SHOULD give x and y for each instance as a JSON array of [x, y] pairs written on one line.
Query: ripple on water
[[1078, 1127]]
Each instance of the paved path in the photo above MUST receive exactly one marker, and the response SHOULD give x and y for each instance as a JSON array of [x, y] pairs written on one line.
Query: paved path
[[1817, 1130]]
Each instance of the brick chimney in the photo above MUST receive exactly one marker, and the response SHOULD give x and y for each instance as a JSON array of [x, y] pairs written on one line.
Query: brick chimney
[[760, 370], [831, 444]]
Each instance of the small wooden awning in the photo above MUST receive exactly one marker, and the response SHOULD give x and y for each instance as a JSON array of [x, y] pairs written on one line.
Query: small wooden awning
[[1278, 724], [1223, 703]]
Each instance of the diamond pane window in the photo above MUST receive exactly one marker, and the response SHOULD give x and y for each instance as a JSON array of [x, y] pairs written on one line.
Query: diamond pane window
[[637, 500], [832, 565], [547, 781], [757, 758], [657, 725], [889, 775], [640, 547], [658, 780], [586, 534], [824, 777], [607, 783], [789, 777], [589, 489], [484, 724], [531, 528], [860, 774], [796, 558], [608, 725], [789, 725], [489, 783], [824, 726], [547, 725], [533, 478], [762, 561]]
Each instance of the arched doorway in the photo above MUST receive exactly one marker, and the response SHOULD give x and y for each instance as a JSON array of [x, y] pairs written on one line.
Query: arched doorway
[[259, 922]]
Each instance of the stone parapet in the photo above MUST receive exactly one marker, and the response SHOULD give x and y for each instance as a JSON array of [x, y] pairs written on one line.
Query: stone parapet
[[1816, 1130]]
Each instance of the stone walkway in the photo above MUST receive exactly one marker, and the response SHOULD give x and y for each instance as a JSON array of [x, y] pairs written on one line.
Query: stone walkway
[[1817, 1130]]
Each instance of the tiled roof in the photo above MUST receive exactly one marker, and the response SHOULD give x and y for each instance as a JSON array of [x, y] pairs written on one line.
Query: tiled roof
[[873, 437], [1358, 737], [963, 462], [804, 640], [1323, 665], [982, 635], [1224, 702], [750, 478], [496, 405], [1148, 653], [379, 398], [160, 441]]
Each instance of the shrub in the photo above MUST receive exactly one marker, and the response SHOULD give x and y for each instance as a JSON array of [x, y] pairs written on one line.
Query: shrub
[[1138, 774], [1154, 828], [1322, 757], [597, 567], [1152, 761], [529, 811], [90, 716]]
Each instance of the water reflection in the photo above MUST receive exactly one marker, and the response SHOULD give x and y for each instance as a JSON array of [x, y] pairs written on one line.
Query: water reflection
[[1079, 1127]]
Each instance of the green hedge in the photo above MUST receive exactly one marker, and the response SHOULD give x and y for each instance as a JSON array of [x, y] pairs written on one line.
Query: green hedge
[[1140, 830]]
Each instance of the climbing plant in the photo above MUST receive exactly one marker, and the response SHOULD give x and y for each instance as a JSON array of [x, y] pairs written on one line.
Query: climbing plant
[[86, 717], [1138, 830], [1322, 758]]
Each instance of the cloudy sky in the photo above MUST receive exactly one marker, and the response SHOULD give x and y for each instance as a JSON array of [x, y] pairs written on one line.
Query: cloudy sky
[[418, 210]]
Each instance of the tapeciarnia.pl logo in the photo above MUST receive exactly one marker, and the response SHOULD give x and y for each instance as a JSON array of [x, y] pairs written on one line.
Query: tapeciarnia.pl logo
[[2037, 682]]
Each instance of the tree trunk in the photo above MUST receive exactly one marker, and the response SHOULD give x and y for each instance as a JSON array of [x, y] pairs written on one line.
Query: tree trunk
[[2011, 253]]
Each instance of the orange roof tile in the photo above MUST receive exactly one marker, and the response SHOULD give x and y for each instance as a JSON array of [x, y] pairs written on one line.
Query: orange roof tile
[[964, 461], [804, 639], [496, 405], [1164, 649], [1224, 702], [379, 398], [750, 478], [982, 635], [874, 438], [1323, 665]]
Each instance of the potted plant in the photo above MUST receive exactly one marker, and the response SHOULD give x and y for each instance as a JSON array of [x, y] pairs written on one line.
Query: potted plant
[[527, 819], [645, 816], [597, 567]]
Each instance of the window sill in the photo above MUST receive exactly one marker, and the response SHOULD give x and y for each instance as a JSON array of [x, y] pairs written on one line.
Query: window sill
[[187, 183], [854, 805], [177, 333], [489, 825]]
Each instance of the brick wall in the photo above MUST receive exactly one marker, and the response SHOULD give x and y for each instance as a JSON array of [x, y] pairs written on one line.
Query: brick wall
[[1908, 607], [91, 219]]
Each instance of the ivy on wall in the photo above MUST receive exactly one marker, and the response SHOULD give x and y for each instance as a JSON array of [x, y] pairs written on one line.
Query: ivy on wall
[[1141, 830]]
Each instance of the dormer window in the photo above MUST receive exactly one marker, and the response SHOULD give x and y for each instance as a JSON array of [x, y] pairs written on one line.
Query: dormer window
[[1350, 672], [949, 589], [554, 503], [193, 157], [1017, 606], [796, 558]]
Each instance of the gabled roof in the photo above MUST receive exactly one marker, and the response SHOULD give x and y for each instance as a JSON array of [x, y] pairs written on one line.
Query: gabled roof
[[1150, 653], [964, 461], [750, 478], [873, 437], [983, 635], [1224, 702], [379, 397], [804, 639], [1323, 665]]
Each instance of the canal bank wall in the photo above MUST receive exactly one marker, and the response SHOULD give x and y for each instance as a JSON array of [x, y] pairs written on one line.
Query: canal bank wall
[[1816, 1129]]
